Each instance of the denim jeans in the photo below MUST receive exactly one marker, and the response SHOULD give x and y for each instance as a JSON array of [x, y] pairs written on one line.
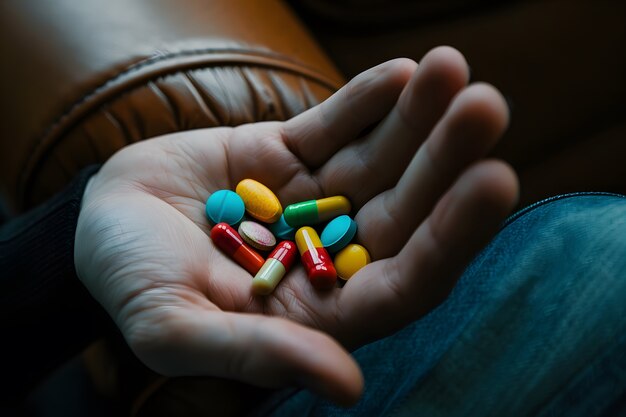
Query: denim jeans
[[535, 326]]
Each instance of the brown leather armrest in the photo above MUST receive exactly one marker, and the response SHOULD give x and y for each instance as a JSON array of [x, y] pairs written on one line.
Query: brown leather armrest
[[82, 78]]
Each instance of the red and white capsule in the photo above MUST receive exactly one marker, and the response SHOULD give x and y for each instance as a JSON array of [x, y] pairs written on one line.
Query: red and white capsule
[[228, 240], [275, 267]]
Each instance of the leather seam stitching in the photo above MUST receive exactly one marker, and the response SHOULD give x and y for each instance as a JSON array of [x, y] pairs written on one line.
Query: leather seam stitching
[[31, 166]]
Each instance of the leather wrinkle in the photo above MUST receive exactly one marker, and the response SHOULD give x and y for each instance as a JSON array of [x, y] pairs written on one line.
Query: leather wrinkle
[[264, 97], [247, 75], [90, 141], [169, 103], [274, 108], [119, 125], [283, 95], [137, 121], [204, 102], [307, 94], [49, 139]]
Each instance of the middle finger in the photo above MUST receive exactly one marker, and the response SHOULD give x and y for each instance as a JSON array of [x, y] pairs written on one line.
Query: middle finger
[[380, 158], [475, 121]]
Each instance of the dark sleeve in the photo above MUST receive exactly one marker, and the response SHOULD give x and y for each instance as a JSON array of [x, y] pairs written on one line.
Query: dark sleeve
[[46, 315]]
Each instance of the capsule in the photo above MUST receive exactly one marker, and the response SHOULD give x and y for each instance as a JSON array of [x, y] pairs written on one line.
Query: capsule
[[229, 241], [317, 263], [261, 203], [350, 259], [316, 211], [274, 268], [282, 230]]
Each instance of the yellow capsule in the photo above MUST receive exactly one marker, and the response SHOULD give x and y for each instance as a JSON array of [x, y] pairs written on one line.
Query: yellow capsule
[[261, 203], [307, 239], [331, 207], [350, 259]]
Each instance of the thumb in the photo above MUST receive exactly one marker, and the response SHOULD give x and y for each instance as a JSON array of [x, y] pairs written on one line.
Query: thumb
[[264, 351]]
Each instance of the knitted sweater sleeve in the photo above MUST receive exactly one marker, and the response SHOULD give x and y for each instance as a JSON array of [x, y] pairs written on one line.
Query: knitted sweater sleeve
[[46, 315]]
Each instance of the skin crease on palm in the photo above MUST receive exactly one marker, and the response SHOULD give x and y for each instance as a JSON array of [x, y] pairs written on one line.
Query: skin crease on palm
[[425, 199]]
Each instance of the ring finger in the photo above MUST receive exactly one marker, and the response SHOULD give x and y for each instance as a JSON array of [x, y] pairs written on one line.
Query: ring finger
[[473, 124]]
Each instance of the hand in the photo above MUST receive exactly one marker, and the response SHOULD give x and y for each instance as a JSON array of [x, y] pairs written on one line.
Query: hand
[[405, 144]]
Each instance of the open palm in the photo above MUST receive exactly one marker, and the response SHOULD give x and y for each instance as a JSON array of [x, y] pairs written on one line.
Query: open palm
[[405, 145]]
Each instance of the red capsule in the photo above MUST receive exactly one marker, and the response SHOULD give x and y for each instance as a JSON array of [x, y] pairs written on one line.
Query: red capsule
[[317, 263], [228, 240], [285, 253]]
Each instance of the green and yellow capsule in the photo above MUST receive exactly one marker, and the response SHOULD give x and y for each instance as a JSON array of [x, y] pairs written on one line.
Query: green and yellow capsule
[[316, 211]]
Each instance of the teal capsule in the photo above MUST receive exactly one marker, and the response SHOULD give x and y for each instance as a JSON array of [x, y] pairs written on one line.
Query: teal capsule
[[282, 230]]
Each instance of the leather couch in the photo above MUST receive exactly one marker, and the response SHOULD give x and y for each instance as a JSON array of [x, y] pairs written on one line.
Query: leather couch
[[83, 78]]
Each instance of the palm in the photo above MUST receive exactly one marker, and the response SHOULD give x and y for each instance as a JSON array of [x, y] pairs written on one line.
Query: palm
[[421, 211], [169, 192]]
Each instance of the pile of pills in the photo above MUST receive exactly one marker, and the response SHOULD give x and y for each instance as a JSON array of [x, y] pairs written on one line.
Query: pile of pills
[[266, 222]]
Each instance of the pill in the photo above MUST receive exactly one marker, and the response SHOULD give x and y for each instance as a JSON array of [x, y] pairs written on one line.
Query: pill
[[228, 240], [261, 203], [282, 230], [316, 211], [350, 259], [338, 233], [225, 206], [316, 260], [256, 235], [274, 268]]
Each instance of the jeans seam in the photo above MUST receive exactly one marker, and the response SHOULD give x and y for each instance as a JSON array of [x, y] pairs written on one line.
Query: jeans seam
[[512, 218]]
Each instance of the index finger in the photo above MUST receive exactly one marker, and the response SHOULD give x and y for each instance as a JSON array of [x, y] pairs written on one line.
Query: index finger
[[317, 134]]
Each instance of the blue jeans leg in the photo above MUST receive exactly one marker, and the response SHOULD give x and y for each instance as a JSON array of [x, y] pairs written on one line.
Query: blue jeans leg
[[535, 326]]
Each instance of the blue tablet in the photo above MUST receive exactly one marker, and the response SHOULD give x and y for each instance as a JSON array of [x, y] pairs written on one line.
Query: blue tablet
[[225, 206], [338, 233]]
